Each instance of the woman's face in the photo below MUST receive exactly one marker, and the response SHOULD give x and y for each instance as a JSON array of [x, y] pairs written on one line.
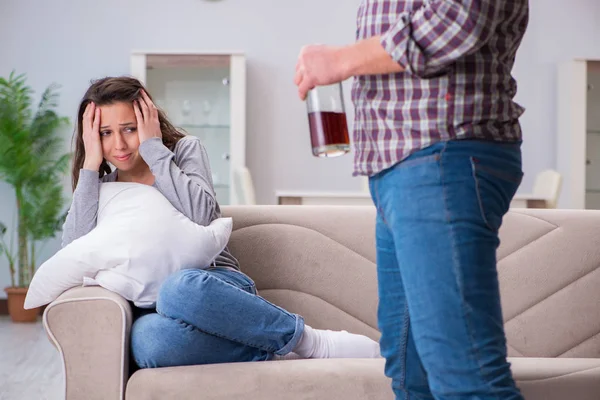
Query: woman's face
[[119, 136]]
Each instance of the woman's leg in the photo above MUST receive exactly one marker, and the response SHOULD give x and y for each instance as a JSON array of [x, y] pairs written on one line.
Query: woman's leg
[[224, 303], [158, 341]]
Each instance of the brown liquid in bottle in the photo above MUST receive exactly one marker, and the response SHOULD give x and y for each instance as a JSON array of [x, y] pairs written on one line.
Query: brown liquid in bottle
[[328, 133]]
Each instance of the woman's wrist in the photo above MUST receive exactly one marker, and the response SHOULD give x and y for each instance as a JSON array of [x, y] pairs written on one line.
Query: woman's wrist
[[91, 165]]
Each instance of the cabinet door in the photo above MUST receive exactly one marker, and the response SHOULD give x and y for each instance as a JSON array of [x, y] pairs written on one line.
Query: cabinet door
[[238, 119], [195, 92], [571, 133], [592, 173], [593, 97]]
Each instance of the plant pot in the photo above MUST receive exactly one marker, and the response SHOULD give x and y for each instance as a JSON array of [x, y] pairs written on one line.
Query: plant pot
[[16, 299]]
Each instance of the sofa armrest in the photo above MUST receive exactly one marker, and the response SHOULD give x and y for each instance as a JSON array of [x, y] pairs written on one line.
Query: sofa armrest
[[90, 327]]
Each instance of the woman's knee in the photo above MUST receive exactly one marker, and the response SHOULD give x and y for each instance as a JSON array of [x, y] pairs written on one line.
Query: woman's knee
[[183, 283], [150, 341]]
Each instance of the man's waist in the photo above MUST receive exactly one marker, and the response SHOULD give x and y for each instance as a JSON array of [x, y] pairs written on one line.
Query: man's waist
[[427, 113]]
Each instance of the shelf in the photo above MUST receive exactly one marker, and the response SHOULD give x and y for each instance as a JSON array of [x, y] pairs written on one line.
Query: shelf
[[593, 191], [593, 131], [203, 126]]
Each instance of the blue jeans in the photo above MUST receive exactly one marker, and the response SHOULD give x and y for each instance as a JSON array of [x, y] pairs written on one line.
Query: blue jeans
[[212, 316], [438, 215]]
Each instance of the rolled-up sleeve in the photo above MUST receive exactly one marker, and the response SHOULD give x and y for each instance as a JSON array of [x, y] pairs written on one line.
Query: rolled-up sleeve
[[429, 39]]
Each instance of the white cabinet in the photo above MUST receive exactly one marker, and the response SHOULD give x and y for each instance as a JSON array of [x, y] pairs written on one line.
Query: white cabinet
[[203, 94], [578, 142]]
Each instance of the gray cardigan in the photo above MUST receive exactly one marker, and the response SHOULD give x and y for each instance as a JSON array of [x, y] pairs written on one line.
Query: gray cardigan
[[182, 176]]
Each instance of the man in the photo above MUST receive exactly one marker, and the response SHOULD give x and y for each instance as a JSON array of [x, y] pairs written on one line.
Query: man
[[437, 132]]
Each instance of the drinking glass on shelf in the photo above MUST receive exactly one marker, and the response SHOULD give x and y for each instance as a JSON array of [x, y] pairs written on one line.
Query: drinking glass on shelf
[[186, 111], [206, 109]]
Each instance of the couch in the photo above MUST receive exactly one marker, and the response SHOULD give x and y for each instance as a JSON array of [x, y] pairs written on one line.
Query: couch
[[320, 262]]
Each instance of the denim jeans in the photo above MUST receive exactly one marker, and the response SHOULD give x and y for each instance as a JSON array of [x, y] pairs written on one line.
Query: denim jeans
[[438, 215], [212, 316]]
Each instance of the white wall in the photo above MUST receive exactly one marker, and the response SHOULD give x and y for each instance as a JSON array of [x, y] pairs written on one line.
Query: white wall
[[72, 42], [558, 31]]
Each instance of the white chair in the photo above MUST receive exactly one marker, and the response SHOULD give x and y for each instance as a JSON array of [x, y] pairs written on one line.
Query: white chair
[[244, 188], [546, 190]]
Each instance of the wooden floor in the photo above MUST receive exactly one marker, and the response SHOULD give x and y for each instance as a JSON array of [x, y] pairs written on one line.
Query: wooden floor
[[30, 367]]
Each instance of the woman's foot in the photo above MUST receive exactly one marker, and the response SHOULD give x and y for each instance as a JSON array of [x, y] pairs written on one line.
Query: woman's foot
[[318, 343]]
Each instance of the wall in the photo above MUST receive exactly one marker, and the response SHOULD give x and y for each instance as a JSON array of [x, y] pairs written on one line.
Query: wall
[[558, 32], [72, 42]]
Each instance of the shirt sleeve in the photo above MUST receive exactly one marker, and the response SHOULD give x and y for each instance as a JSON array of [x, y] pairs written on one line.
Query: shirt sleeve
[[82, 215], [187, 184], [429, 39]]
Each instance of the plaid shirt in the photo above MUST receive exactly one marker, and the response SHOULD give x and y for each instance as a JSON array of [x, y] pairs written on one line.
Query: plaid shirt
[[457, 84]]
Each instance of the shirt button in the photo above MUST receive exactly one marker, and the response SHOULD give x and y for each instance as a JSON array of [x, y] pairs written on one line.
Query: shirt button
[[448, 96]]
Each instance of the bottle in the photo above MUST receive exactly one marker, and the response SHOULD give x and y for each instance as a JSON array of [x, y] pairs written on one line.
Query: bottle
[[327, 121]]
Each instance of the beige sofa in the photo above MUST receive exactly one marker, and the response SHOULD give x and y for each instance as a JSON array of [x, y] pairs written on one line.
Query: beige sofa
[[320, 262]]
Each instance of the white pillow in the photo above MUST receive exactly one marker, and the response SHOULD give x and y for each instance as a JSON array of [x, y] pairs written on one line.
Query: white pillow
[[139, 240]]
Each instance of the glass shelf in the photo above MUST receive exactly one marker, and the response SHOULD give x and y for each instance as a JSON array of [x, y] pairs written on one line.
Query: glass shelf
[[195, 92]]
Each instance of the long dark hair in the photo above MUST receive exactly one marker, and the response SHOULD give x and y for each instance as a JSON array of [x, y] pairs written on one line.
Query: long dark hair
[[112, 90]]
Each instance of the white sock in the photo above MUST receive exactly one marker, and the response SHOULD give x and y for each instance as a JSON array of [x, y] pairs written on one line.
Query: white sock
[[317, 343]]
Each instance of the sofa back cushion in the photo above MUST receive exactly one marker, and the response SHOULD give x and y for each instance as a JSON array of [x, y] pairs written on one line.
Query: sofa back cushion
[[320, 262]]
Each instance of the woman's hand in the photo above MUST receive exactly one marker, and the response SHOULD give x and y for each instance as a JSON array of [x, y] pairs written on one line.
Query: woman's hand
[[91, 137], [146, 114]]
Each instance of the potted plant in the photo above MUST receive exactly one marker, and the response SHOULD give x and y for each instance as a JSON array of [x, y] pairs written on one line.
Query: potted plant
[[31, 162]]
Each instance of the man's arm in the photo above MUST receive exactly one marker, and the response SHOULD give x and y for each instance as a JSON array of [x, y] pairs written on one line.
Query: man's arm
[[368, 57], [422, 43], [439, 33], [323, 65]]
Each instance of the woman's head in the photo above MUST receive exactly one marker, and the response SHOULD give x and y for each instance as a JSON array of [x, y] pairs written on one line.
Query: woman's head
[[118, 125]]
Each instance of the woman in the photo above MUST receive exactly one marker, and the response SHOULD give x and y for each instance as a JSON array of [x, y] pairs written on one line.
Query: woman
[[202, 316]]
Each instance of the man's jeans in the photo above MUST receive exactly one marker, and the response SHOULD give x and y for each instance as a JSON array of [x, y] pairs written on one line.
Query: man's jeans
[[438, 215], [212, 316]]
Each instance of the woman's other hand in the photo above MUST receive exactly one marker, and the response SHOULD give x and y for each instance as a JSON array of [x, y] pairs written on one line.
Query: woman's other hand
[[146, 114], [91, 137]]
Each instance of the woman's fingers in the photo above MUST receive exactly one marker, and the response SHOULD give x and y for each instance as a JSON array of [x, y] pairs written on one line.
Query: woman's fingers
[[152, 110], [96, 123], [88, 117], [147, 99], [144, 107], [138, 112]]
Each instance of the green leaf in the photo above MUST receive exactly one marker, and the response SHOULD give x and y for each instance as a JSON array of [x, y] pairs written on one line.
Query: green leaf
[[32, 158]]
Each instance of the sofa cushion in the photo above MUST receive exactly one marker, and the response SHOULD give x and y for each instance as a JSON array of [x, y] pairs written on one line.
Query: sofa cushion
[[333, 379], [557, 378], [538, 378]]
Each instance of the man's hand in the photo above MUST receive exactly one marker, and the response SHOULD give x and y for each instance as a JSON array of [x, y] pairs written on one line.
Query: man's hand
[[319, 65], [324, 65]]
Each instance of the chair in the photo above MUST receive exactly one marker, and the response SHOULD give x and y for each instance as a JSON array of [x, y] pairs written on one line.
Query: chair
[[244, 188], [546, 190]]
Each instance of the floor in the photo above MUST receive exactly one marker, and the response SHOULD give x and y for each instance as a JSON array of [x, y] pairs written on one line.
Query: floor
[[30, 368]]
